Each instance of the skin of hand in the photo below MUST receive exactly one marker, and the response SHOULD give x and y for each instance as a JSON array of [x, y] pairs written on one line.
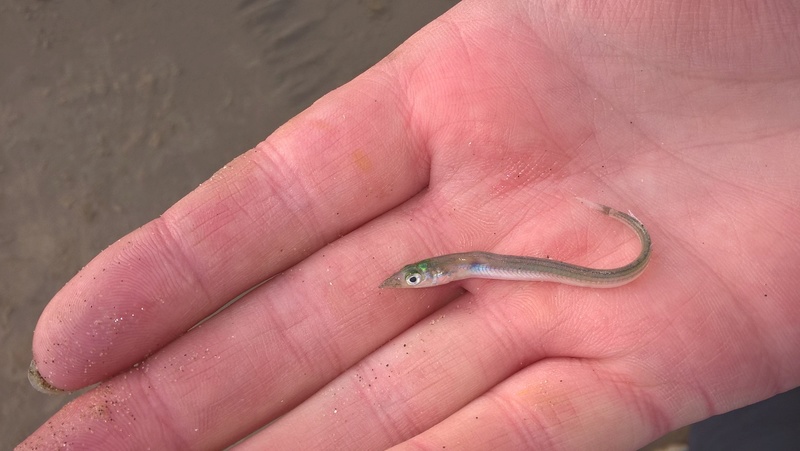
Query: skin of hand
[[475, 134]]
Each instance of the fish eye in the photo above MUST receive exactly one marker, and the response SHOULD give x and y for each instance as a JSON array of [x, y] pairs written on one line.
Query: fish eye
[[413, 279]]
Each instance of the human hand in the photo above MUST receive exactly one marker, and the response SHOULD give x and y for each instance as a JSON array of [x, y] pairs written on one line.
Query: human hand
[[474, 135]]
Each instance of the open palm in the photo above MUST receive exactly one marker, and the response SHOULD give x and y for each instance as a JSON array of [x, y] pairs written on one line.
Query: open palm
[[476, 134]]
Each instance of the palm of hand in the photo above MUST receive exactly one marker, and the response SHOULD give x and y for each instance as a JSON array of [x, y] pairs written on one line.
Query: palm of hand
[[475, 135]]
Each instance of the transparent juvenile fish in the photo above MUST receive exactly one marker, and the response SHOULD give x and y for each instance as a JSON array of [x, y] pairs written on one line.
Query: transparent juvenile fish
[[484, 265]]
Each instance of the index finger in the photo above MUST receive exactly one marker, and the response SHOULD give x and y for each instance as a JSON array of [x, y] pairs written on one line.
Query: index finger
[[324, 173]]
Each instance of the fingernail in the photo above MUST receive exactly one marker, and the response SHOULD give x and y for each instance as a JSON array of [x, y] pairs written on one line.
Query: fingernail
[[41, 385]]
